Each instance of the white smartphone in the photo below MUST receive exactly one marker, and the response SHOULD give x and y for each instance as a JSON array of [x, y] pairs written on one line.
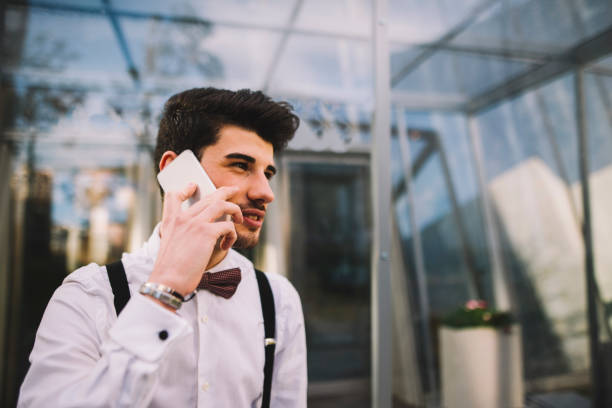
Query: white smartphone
[[183, 170]]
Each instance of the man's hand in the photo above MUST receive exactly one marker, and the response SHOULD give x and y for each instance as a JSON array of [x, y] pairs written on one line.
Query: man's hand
[[189, 237]]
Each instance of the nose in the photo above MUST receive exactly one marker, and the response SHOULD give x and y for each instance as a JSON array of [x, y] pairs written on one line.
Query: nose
[[260, 190]]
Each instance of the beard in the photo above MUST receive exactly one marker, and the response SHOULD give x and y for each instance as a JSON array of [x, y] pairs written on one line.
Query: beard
[[246, 239]]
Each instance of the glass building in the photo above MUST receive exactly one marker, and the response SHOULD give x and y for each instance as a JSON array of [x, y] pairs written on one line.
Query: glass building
[[449, 150]]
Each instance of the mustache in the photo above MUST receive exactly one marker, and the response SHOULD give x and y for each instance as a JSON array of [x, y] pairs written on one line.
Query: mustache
[[253, 205]]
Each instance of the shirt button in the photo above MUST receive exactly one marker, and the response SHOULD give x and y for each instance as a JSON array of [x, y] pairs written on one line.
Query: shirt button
[[205, 386], [163, 335], [204, 319]]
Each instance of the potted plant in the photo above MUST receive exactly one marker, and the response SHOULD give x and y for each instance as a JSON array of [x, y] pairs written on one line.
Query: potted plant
[[481, 358]]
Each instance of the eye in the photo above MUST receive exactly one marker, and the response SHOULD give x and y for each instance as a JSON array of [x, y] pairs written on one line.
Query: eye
[[269, 174], [241, 165]]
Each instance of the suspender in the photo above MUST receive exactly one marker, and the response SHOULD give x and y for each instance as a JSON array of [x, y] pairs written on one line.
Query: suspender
[[119, 284], [267, 307], [121, 291]]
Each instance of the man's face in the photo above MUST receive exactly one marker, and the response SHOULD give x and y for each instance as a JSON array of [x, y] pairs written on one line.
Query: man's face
[[241, 158]]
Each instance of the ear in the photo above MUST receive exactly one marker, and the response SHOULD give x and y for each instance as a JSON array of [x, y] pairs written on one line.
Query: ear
[[166, 159]]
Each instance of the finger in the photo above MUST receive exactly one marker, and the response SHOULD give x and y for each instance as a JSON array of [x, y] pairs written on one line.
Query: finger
[[220, 208], [187, 192], [226, 231], [171, 202], [173, 199], [221, 194], [224, 193]]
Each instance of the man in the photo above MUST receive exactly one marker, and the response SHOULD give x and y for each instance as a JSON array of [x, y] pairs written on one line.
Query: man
[[210, 352]]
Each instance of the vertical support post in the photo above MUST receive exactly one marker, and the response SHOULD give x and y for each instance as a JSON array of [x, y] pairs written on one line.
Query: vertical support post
[[475, 285], [500, 283], [381, 204], [6, 156], [419, 260], [597, 373]]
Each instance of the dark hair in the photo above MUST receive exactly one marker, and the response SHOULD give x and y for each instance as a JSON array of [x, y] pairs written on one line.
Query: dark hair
[[192, 119]]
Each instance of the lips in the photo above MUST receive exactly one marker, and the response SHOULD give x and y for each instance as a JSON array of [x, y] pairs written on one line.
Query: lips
[[252, 217]]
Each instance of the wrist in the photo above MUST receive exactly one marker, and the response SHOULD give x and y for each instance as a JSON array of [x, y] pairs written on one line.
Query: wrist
[[165, 306], [173, 277], [162, 294], [170, 281]]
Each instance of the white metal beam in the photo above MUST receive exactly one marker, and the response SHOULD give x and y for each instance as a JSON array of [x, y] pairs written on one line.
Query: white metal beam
[[380, 181]]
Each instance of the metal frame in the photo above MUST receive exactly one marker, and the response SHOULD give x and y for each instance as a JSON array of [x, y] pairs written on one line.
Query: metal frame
[[597, 368], [500, 280], [297, 7], [125, 49], [381, 207], [417, 247], [445, 39], [412, 169], [582, 54], [551, 65]]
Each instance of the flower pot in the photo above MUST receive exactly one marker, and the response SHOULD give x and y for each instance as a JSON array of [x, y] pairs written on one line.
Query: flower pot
[[481, 367]]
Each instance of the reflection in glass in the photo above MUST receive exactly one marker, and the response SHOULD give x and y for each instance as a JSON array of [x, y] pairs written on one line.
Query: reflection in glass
[[598, 91], [269, 13], [178, 55], [330, 267], [84, 48], [432, 21], [462, 74], [440, 226], [340, 69], [538, 26], [323, 16], [533, 191]]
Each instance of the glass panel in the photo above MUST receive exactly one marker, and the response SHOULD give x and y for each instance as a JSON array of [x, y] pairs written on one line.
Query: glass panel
[[457, 74], [415, 21], [84, 49], [80, 191], [605, 64], [530, 159], [179, 56], [598, 106], [539, 124], [332, 69], [330, 267], [274, 13], [540, 26], [446, 212], [401, 56], [337, 17], [77, 3], [328, 126]]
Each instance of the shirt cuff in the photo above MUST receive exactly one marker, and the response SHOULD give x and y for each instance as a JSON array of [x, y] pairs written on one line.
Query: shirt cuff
[[146, 329]]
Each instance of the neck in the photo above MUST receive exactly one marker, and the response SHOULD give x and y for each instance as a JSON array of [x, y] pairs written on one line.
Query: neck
[[217, 256]]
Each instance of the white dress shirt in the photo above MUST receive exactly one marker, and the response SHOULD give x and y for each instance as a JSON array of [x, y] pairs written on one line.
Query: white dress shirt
[[213, 356]]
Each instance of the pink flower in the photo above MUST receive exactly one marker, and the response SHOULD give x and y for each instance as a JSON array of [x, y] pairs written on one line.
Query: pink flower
[[475, 304]]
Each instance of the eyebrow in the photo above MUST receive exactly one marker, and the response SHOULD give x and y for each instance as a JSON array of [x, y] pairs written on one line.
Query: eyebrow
[[249, 159]]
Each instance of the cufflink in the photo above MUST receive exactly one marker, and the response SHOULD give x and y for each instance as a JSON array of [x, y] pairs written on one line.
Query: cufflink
[[163, 335]]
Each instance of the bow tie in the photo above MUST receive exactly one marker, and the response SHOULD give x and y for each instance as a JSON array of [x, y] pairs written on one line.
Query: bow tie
[[222, 283]]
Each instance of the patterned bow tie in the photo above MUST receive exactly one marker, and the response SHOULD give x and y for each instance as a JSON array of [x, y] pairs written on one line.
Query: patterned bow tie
[[222, 283]]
